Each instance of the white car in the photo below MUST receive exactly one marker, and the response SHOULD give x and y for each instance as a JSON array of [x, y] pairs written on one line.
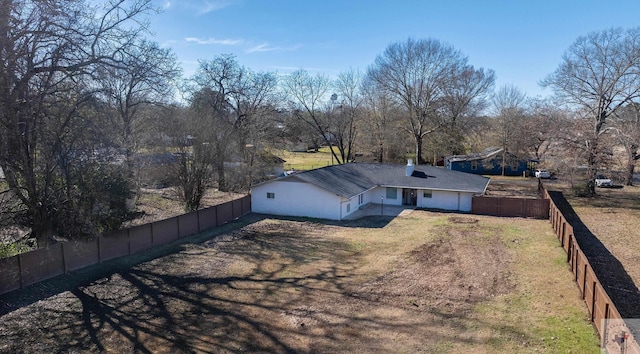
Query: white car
[[539, 173], [603, 181]]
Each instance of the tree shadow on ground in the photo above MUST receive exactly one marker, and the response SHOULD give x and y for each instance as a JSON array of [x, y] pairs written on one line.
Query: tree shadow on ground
[[295, 293], [47, 288], [50, 287], [611, 273]]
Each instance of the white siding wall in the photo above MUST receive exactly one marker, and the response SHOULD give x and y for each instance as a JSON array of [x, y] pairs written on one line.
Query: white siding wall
[[439, 200], [376, 194], [348, 206], [465, 201], [446, 200], [296, 198]]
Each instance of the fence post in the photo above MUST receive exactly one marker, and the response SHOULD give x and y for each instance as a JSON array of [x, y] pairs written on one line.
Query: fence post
[[233, 211], [20, 269], [129, 240], [197, 220], [605, 326], [100, 248], [576, 262], [64, 257], [593, 302], [584, 281]]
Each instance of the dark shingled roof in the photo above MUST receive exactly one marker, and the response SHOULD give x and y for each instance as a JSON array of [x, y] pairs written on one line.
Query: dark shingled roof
[[349, 180], [486, 153]]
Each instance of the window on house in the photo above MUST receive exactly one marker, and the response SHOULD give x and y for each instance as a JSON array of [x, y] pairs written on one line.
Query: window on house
[[349, 208], [427, 194], [360, 199], [392, 193], [474, 165], [271, 195]]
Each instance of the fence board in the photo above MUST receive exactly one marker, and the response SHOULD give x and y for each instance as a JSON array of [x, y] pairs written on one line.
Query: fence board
[[600, 305], [485, 206], [510, 207], [32, 267], [81, 254], [9, 274], [225, 213], [165, 231], [237, 208], [207, 218], [114, 244], [188, 224], [41, 264], [246, 205], [140, 238]]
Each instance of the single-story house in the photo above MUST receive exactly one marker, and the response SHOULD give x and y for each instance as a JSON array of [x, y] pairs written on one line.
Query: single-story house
[[335, 192], [487, 162]]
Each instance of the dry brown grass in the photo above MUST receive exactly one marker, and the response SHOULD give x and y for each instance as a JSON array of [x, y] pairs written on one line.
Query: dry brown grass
[[163, 203], [423, 282]]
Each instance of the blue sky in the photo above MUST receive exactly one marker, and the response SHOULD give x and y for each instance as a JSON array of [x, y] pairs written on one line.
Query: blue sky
[[522, 41]]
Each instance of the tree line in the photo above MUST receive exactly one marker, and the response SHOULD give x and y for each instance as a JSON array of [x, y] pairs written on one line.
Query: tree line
[[88, 112]]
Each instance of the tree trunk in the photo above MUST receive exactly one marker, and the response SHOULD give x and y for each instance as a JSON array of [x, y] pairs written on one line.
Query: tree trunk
[[419, 160], [222, 181], [41, 228], [593, 170], [631, 166]]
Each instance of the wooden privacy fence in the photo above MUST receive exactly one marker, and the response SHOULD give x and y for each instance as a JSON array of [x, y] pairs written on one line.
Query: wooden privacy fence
[[29, 268], [603, 313], [512, 207]]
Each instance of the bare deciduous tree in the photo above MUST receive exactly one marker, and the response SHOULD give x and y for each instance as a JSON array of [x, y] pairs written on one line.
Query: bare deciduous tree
[[51, 52], [307, 99], [462, 102], [627, 125], [147, 77], [380, 119], [509, 106], [233, 99], [415, 74], [599, 74], [344, 122]]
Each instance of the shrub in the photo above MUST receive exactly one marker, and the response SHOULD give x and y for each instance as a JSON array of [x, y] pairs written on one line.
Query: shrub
[[581, 190]]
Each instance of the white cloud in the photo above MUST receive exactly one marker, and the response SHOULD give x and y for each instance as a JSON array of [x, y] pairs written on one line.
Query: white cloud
[[166, 5], [265, 47], [212, 40], [212, 5]]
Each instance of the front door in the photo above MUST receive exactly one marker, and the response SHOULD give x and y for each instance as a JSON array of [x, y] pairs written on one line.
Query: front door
[[409, 197]]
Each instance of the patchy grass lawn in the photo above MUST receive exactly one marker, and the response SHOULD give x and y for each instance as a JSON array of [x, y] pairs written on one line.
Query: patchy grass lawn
[[302, 161], [424, 282]]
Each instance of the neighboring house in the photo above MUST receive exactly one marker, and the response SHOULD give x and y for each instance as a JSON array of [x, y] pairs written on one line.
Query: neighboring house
[[487, 162], [335, 192], [270, 163]]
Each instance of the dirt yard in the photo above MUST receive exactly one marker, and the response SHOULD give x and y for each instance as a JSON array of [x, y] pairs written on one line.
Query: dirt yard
[[422, 282]]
